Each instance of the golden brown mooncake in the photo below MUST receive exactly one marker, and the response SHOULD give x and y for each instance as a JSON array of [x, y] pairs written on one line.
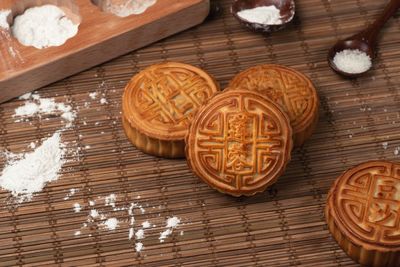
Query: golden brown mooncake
[[239, 142], [159, 103], [363, 213], [292, 90]]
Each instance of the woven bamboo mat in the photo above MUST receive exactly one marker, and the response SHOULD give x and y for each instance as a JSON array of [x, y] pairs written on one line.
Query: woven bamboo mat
[[281, 227]]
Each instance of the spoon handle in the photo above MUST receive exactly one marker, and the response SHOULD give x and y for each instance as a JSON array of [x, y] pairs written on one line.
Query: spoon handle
[[371, 33]]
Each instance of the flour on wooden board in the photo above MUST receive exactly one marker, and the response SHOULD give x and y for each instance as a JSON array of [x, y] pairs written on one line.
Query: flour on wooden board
[[125, 8], [5, 37], [43, 26], [4, 13]]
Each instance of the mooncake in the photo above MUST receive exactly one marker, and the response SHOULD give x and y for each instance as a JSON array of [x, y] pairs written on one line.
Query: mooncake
[[363, 213], [159, 103], [239, 142], [292, 90]]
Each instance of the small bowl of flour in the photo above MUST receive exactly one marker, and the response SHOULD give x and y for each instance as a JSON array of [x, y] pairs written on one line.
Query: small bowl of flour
[[264, 15]]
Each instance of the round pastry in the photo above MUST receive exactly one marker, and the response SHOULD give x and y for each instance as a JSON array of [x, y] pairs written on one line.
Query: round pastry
[[239, 142], [292, 90], [159, 103], [363, 213]]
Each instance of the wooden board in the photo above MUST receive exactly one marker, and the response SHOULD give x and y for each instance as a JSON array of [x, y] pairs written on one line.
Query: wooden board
[[101, 37], [282, 227]]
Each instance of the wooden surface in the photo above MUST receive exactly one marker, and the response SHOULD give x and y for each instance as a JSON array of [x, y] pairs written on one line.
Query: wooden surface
[[101, 37], [284, 226]]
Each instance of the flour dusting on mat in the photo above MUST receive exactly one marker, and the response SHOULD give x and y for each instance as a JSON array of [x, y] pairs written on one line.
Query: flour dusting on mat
[[26, 174], [172, 223], [43, 26], [125, 8], [37, 106], [77, 207], [111, 224], [123, 216], [139, 247]]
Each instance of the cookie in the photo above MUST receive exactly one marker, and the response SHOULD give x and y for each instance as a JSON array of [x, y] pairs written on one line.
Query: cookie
[[363, 213], [292, 90], [239, 142], [159, 103]]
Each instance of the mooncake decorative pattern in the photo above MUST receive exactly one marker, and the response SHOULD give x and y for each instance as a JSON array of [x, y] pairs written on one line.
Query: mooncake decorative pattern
[[239, 143], [292, 90], [160, 101], [364, 209]]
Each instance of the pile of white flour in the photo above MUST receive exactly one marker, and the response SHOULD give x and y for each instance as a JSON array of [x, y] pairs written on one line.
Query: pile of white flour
[[125, 8], [26, 174], [43, 26], [266, 15]]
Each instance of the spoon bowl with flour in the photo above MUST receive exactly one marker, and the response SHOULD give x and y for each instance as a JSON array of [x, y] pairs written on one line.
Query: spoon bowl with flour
[[264, 15], [354, 56]]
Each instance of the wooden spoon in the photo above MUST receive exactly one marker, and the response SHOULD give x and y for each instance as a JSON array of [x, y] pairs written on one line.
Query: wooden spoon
[[365, 41]]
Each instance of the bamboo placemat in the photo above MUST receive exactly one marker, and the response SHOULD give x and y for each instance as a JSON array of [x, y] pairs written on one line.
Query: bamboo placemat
[[282, 227]]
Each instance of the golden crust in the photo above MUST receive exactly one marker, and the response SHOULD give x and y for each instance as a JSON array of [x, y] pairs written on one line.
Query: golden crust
[[239, 143], [362, 213], [292, 90], [159, 103]]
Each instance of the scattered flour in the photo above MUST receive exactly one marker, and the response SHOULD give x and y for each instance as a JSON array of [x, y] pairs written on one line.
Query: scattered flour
[[140, 234], [146, 224], [385, 145], [31, 172], [266, 15], [43, 26], [103, 101], [131, 232], [125, 8], [111, 224], [37, 106], [94, 214], [110, 200], [93, 95], [172, 223], [352, 61], [77, 207], [77, 233], [139, 247], [25, 96], [4, 13], [396, 151]]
